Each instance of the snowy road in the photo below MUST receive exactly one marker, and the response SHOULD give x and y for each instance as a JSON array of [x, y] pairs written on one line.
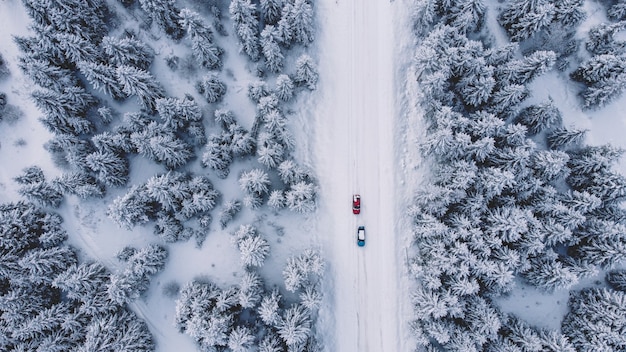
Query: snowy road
[[354, 154]]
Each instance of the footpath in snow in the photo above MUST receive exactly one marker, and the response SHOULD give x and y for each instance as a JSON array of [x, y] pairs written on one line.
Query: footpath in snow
[[354, 152]]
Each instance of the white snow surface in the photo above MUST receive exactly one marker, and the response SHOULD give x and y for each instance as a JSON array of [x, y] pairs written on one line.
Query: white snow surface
[[355, 152]]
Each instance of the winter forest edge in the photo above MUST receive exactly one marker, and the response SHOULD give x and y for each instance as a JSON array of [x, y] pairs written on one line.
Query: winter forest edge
[[513, 195]]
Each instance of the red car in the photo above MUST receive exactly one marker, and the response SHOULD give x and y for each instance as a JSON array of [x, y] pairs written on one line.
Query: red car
[[356, 204]]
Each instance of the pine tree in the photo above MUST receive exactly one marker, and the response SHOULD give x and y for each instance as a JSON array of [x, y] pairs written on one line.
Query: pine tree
[[141, 84], [42, 193], [204, 49], [121, 331], [271, 343], [45, 74], [250, 289], [270, 152], [306, 72], [257, 90], [507, 98], [271, 10], [271, 50], [276, 199], [563, 138], [525, 70], [603, 93], [217, 156], [178, 113], [284, 87], [301, 197], [549, 165], [602, 39], [132, 208], [127, 52], [111, 168], [301, 22], [617, 279], [254, 181], [161, 144], [166, 15], [540, 117], [212, 88], [476, 89], [244, 15], [82, 281], [240, 339], [254, 250], [550, 274], [295, 326], [228, 212], [269, 308], [617, 12], [43, 264], [76, 48], [102, 77]]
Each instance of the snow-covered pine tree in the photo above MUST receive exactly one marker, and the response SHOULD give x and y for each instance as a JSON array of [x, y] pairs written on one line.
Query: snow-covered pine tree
[[241, 339], [161, 144], [36, 189], [217, 156], [271, 10], [306, 72], [602, 39], [300, 20], [228, 212], [300, 197], [523, 71], [132, 208], [549, 165], [617, 279], [475, 89], [271, 343], [271, 50], [284, 88], [166, 15], [245, 19], [540, 117], [550, 274], [102, 77], [294, 326], [127, 52], [254, 181], [269, 151], [112, 169], [257, 90], [276, 199], [41, 265], [269, 308], [523, 18], [617, 12], [241, 141], [211, 87], [178, 113], [204, 49], [595, 320], [45, 74], [507, 98], [250, 289], [78, 183], [83, 281], [569, 13], [120, 331], [140, 83], [564, 138]]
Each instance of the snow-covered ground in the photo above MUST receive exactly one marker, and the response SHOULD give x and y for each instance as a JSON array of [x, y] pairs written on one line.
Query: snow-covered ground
[[355, 152]]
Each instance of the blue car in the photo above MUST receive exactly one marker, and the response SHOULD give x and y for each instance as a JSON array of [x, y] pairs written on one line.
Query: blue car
[[360, 236]]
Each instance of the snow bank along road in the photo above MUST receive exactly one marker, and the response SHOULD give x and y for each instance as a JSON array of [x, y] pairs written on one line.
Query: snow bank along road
[[354, 154]]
